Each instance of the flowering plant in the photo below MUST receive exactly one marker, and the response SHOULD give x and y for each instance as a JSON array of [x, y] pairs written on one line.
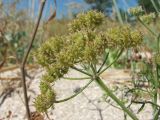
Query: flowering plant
[[85, 44]]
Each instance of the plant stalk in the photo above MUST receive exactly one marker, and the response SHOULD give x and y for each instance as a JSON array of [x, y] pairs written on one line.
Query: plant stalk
[[118, 12], [149, 29], [155, 6], [25, 60], [120, 103], [80, 91], [119, 54]]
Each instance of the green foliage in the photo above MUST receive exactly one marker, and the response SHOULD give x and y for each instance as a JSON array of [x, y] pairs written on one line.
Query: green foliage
[[148, 6], [15, 41], [14, 33], [148, 68]]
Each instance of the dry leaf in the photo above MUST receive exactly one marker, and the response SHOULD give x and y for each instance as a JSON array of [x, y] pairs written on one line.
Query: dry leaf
[[36, 116]]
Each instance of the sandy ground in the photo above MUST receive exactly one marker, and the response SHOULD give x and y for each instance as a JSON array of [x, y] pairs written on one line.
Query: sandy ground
[[89, 105]]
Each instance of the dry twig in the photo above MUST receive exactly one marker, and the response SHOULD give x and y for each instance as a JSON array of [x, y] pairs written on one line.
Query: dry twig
[[25, 59]]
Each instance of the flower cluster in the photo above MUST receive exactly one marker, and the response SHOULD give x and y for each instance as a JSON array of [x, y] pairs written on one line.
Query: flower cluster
[[136, 11], [139, 12], [148, 18], [44, 101], [89, 20], [124, 36], [84, 44]]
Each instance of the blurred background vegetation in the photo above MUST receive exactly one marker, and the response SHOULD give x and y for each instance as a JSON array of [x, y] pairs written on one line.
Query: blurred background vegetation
[[17, 19]]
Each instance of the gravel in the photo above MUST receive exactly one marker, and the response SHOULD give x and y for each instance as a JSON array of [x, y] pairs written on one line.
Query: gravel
[[89, 105]]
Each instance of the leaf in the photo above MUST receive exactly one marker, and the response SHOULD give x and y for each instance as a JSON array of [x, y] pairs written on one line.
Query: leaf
[[36, 116]]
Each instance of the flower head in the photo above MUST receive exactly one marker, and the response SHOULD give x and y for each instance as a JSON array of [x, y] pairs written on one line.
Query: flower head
[[124, 37], [89, 20], [148, 18], [136, 11], [84, 44], [44, 101]]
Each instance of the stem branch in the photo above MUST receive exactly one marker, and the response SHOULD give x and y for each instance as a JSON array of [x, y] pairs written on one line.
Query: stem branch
[[80, 91], [81, 71], [119, 54], [120, 103]]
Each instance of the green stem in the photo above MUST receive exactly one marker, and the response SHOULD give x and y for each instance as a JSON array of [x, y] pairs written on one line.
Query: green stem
[[84, 78], [81, 71], [155, 94], [155, 6], [145, 102], [149, 29], [93, 69], [154, 106], [156, 115], [120, 103], [158, 41], [118, 12], [119, 54], [74, 95], [106, 57]]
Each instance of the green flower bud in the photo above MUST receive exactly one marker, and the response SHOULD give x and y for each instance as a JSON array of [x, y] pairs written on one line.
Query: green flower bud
[[48, 78], [142, 67], [124, 37], [44, 101], [136, 37], [57, 70], [44, 87], [89, 54], [136, 11], [87, 20], [157, 59], [147, 19]]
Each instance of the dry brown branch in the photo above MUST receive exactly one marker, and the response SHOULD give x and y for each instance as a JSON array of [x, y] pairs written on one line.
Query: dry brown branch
[[12, 78], [5, 94], [53, 15], [25, 59], [36, 116], [11, 68]]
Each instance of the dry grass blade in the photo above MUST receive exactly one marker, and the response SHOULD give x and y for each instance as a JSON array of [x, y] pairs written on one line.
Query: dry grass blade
[[36, 116], [53, 15], [12, 79], [10, 68]]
